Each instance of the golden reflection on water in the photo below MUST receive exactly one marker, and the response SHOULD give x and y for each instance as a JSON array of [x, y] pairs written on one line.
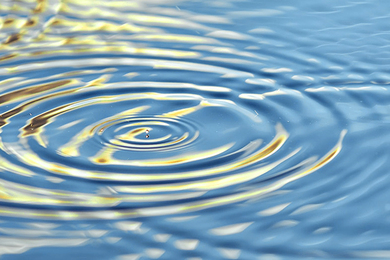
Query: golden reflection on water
[[25, 194], [102, 27], [156, 128]]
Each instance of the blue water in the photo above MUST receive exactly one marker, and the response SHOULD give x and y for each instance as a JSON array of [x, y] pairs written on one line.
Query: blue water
[[194, 130]]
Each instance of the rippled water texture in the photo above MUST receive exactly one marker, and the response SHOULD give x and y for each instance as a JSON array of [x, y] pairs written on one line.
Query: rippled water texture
[[194, 129]]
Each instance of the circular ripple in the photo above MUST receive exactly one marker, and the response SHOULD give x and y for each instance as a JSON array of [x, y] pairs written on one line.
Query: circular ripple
[[139, 109], [190, 150], [113, 126], [146, 134]]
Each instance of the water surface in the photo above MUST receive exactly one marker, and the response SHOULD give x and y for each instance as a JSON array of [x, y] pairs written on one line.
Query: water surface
[[194, 129]]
